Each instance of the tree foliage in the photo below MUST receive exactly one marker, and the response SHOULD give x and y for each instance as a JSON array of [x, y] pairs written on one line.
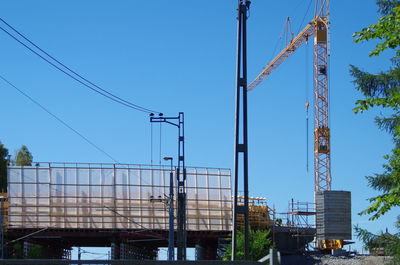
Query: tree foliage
[[3, 167], [382, 90], [383, 244], [16, 251], [386, 29], [24, 157], [260, 243]]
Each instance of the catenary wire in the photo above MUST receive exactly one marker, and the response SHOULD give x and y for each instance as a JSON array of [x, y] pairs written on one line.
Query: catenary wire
[[92, 86], [68, 68], [103, 92], [71, 76], [64, 123], [59, 119]]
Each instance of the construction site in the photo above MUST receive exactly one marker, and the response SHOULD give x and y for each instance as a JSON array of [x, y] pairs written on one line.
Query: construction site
[[135, 210], [124, 207]]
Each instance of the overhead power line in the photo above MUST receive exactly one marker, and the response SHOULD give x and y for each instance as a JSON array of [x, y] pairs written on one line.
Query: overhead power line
[[59, 119], [71, 73]]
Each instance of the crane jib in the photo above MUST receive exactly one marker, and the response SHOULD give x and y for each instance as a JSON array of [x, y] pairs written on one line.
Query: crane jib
[[285, 53]]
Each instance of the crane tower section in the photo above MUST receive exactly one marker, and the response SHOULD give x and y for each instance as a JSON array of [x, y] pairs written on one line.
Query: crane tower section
[[322, 148]]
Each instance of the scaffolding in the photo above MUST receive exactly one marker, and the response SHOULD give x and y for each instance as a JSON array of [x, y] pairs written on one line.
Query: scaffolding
[[259, 213], [301, 214], [114, 196]]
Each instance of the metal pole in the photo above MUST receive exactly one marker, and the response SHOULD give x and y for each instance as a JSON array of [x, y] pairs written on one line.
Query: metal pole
[[181, 180], [2, 227], [241, 143], [245, 142], [181, 191], [171, 253]]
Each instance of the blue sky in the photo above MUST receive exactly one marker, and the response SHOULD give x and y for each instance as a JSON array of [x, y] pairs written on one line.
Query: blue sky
[[179, 55]]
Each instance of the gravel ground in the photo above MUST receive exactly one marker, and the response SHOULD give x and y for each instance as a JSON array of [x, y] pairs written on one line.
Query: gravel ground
[[330, 260]]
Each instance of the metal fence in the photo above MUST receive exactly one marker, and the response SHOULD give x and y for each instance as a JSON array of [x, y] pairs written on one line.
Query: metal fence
[[114, 196]]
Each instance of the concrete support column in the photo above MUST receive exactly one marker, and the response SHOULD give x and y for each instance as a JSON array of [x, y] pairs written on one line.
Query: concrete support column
[[26, 246], [123, 251], [200, 252], [115, 251]]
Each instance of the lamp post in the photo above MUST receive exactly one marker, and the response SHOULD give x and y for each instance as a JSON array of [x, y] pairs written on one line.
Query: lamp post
[[171, 211]]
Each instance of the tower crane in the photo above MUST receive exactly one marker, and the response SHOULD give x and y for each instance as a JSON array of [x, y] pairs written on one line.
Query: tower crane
[[319, 28]]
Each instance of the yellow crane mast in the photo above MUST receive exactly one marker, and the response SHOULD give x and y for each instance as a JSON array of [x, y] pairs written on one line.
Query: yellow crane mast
[[319, 28]]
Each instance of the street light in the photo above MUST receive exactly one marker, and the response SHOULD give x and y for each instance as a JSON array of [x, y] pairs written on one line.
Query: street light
[[171, 211]]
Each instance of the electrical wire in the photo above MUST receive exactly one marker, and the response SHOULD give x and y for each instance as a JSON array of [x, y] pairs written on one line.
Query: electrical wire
[[92, 85], [102, 91], [133, 221], [59, 119], [71, 76]]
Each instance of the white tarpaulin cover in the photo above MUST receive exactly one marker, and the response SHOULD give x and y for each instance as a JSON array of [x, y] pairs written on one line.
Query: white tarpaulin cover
[[100, 196]]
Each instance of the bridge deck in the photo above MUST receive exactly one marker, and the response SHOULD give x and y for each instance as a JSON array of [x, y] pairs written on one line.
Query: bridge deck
[[103, 238]]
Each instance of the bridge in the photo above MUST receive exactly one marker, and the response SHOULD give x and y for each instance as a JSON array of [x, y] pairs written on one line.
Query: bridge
[[118, 205]]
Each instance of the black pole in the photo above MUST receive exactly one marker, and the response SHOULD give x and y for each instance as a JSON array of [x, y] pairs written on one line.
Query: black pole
[[241, 143], [181, 179], [2, 227], [181, 237], [171, 254]]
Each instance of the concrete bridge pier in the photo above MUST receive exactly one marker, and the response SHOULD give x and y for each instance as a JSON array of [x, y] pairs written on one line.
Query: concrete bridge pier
[[115, 250], [206, 249]]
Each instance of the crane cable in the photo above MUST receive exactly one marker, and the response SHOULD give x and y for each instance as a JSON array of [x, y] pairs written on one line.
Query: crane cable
[[307, 106], [304, 17]]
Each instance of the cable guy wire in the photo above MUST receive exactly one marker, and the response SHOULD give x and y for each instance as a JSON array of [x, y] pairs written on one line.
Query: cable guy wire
[[304, 17], [71, 73], [59, 119]]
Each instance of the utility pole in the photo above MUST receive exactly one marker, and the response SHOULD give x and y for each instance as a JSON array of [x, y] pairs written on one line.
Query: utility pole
[[241, 143], [181, 178], [171, 254]]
